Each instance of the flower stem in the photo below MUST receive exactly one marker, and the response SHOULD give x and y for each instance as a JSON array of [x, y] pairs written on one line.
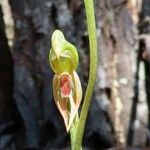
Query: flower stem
[[73, 131], [89, 8]]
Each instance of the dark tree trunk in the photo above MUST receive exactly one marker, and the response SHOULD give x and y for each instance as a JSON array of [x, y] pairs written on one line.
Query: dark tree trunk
[[8, 111], [33, 77]]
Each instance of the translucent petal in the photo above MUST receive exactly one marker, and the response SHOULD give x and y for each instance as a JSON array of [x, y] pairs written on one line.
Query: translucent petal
[[67, 103]]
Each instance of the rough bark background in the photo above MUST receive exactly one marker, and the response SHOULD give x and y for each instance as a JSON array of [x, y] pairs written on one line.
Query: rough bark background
[[8, 110], [34, 117], [116, 45], [144, 46]]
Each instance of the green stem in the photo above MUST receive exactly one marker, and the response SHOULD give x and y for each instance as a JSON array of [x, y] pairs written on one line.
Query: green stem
[[73, 130], [72, 135], [89, 8]]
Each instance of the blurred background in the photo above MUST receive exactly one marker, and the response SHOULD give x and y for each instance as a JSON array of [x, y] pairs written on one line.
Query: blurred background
[[119, 114]]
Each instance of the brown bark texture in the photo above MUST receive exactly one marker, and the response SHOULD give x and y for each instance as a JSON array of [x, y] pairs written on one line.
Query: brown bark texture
[[26, 99], [116, 41]]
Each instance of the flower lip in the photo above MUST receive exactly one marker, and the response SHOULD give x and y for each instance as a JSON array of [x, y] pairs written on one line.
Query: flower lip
[[65, 85]]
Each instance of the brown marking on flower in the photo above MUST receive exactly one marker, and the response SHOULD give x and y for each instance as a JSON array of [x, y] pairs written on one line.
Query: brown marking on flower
[[65, 86]]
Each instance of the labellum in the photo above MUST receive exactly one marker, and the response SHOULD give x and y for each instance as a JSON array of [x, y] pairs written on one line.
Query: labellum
[[67, 94]]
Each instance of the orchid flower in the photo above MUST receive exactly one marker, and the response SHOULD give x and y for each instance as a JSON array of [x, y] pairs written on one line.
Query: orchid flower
[[67, 88]]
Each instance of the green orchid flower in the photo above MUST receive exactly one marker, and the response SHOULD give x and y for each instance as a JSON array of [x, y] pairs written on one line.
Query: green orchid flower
[[67, 88]]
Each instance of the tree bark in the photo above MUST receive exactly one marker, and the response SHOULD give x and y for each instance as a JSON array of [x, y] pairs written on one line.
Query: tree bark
[[144, 46], [8, 110], [116, 41], [41, 122]]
